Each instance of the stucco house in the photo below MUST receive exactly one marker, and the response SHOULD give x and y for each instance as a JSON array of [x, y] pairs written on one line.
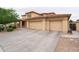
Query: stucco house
[[72, 25], [77, 25], [46, 21]]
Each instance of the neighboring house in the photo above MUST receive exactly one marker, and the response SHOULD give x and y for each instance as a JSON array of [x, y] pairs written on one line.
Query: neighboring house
[[46, 21], [72, 25], [77, 25]]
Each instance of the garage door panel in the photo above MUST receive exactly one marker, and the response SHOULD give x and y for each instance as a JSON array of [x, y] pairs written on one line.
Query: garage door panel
[[56, 26], [36, 25]]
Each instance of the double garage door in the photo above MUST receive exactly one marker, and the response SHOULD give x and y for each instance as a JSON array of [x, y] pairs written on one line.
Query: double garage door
[[53, 25]]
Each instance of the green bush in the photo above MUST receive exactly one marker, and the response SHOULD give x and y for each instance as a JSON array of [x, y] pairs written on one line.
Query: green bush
[[12, 26], [10, 29], [1, 28]]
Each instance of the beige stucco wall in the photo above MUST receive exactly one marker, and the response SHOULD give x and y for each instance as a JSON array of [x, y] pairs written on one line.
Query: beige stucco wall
[[20, 24], [34, 15], [24, 17], [77, 26], [65, 25], [47, 25]]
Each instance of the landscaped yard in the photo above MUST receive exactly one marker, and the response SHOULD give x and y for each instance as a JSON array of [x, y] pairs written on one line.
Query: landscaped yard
[[28, 41], [68, 43]]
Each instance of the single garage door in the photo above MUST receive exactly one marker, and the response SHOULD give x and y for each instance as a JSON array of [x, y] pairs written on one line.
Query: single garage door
[[56, 26], [36, 25]]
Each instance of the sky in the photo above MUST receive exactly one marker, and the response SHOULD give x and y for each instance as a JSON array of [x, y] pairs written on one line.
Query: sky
[[58, 10], [40, 6]]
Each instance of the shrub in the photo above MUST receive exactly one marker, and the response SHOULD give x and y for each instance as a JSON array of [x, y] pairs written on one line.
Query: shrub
[[1, 28], [10, 26], [14, 27], [10, 29]]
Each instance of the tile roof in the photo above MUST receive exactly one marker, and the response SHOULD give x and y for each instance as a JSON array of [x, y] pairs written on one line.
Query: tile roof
[[50, 14]]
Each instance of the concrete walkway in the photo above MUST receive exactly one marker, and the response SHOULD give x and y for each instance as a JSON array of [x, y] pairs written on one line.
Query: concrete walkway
[[24, 40]]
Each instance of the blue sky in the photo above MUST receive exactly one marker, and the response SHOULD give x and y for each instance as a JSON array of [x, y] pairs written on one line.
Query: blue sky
[[58, 10]]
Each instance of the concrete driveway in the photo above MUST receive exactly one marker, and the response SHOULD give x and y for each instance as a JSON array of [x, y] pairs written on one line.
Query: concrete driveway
[[24, 40]]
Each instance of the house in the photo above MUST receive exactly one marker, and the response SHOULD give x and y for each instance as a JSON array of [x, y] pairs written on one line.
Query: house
[[72, 25], [46, 21], [77, 25]]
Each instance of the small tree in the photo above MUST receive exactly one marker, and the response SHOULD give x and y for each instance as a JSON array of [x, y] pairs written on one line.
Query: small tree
[[7, 16]]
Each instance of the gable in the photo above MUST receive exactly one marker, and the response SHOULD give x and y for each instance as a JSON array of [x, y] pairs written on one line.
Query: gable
[[35, 15], [32, 14]]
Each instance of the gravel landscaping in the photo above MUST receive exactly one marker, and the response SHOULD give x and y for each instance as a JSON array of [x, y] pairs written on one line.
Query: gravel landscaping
[[68, 43]]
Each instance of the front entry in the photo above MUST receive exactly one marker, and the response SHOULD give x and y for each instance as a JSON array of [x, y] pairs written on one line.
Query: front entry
[[23, 24]]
